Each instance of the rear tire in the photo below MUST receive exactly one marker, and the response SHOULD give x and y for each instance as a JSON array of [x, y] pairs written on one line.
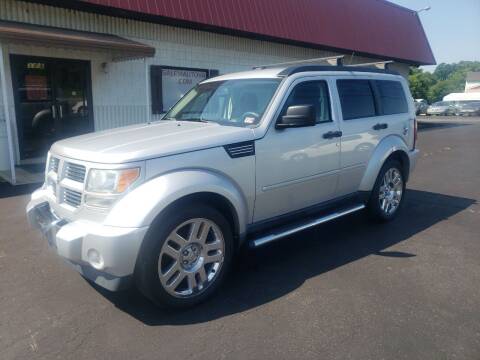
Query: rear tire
[[185, 257], [388, 193]]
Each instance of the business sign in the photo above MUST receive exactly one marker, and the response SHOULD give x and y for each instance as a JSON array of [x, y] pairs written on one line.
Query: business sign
[[177, 82]]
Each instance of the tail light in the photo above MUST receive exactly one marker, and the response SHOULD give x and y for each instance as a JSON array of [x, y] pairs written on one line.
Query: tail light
[[415, 133]]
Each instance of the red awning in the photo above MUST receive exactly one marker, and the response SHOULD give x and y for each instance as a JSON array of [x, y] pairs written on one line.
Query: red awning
[[119, 48], [367, 27]]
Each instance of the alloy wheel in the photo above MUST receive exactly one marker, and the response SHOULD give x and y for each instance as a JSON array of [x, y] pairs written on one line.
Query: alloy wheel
[[391, 191], [191, 258]]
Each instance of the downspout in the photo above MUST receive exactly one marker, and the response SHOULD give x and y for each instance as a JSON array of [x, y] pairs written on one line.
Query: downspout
[[147, 91]]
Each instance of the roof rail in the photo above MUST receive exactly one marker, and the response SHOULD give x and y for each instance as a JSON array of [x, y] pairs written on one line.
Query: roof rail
[[378, 64], [330, 63], [330, 60], [305, 68]]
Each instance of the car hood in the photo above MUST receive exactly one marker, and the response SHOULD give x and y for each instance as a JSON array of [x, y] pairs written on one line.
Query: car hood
[[147, 141]]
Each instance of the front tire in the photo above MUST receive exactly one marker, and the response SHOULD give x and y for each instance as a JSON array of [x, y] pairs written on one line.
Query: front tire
[[185, 256], [388, 193]]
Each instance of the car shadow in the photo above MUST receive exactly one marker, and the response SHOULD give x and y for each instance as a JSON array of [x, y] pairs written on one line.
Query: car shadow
[[269, 273], [7, 190], [426, 126]]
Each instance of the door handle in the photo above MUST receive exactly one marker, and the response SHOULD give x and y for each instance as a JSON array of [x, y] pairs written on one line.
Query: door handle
[[60, 109], [54, 112], [380, 126], [332, 134]]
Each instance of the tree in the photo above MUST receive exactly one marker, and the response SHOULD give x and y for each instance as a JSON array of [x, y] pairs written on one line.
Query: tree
[[420, 83], [446, 78]]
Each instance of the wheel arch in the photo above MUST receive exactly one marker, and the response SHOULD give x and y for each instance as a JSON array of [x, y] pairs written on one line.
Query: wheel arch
[[402, 157], [145, 204], [215, 200], [391, 147]]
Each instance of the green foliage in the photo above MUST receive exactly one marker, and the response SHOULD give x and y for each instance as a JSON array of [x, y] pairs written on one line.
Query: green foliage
[[446, 78]]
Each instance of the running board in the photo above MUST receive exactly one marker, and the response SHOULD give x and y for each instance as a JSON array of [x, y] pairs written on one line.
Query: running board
[[286, 231]]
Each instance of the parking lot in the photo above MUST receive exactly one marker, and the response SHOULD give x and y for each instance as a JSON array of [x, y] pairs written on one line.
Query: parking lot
[[345, 290]]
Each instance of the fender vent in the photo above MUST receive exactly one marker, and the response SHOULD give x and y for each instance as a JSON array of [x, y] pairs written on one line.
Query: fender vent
[[242, 149]]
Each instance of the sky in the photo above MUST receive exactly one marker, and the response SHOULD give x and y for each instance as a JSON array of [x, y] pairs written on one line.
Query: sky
[[452, 27]]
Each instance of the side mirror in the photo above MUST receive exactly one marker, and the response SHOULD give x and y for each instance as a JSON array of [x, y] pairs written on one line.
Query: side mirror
[[297, 116]]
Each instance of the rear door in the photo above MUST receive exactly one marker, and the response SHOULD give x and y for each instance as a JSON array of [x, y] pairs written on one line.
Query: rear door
[[371, 110]]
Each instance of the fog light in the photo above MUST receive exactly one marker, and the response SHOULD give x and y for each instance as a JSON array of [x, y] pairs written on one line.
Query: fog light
[[95, 259], [99, 202]]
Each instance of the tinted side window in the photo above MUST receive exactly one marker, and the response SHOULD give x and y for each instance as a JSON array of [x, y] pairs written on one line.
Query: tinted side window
[[392, 97], [311, 93], [356, 98]]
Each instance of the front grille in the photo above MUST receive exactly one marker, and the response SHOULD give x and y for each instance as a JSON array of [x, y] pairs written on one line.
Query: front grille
[[75, 172], [72, 197], [53, 164]]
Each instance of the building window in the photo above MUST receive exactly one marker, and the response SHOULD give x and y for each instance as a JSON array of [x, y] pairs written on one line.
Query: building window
[[169, 84]]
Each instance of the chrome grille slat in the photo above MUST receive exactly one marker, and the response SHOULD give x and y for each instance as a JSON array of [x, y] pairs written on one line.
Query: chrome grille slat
[[72, 197], [75, 172], [53, 164], [67, 180]]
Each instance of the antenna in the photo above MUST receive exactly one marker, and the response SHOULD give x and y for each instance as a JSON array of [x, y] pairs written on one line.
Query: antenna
[[330, 60]]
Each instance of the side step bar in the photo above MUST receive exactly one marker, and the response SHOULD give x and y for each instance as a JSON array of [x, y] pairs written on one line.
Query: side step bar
[[286, 231]]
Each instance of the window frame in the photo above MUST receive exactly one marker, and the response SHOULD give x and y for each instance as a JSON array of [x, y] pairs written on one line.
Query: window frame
[[373, 90], [379, 97], [302, 82]]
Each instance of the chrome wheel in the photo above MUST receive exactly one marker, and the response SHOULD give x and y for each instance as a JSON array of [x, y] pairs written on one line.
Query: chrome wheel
[[191, 258], [391, 191]]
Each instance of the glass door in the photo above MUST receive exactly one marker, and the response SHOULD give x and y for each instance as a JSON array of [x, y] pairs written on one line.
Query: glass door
[[52, 102], [71, 101]]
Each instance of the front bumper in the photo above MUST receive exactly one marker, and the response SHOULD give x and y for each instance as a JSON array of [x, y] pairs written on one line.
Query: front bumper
[[75, 241]]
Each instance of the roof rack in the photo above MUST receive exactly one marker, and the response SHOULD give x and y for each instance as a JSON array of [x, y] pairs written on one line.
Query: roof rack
[[329, 60], [331, 63], [298, 69]]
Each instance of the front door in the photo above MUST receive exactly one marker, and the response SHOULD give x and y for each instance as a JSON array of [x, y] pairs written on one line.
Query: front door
[[52, 101], [298, 167]]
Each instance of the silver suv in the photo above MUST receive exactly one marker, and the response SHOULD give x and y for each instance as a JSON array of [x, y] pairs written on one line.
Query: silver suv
[[242, 159]]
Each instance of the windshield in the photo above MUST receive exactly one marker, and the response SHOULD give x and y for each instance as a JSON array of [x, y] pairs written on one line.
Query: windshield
[[231, 102]]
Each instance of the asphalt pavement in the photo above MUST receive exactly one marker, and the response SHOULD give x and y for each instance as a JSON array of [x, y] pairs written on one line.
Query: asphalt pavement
[[349, 289]]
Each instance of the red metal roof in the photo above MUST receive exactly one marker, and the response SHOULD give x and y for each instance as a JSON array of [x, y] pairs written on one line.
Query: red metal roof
[[374, 27]]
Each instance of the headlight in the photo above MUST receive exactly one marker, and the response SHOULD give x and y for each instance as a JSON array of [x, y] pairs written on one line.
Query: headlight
[[111, 181]]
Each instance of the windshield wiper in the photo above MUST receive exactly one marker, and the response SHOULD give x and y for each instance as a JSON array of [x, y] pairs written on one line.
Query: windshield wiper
[[194, 120]]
